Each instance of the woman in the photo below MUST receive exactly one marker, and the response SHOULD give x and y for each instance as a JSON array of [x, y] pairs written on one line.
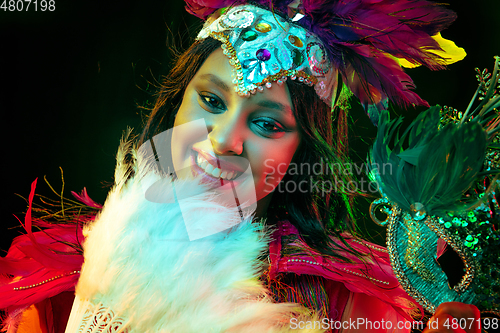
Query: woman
[[234, 124]]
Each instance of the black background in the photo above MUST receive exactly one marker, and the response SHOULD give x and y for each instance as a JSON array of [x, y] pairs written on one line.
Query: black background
[[71, 81]]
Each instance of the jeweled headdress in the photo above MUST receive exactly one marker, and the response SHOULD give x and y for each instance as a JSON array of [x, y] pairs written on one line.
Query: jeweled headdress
[[360, 44], [265, 48]]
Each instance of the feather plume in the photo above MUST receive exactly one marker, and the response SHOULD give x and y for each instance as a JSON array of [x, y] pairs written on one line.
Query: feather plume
[[363, 37], [123, 169], [437, 167], [440, 162], [141, 265]]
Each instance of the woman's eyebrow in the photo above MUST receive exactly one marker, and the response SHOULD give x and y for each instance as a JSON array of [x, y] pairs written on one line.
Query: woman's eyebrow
[[215, 80], [274, 105], [265, 104]]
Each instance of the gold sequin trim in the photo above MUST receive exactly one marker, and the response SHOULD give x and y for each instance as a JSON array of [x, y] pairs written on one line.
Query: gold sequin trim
[[396, 265], [344, 269], [378, 248], [365, 276], [456, 245], [46, 281], [411, 254]]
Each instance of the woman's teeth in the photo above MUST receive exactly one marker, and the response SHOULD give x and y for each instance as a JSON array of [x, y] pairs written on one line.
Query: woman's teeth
[[214, 172]]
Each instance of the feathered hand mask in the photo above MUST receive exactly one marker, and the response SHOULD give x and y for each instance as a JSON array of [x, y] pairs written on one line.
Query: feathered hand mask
[[441, 194]]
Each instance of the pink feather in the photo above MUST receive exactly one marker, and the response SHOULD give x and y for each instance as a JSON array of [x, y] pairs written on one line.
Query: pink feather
[[84, 197], [44, 263]]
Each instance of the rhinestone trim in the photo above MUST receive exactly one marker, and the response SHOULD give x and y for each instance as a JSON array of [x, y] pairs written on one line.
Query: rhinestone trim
[[411, 257], [457, 246], [308, 261], [396, 264], [46, 281], [374, 247], [365, 276], [344, 269]]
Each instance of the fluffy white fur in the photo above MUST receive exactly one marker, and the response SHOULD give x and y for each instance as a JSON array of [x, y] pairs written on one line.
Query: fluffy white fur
[[140, 263]]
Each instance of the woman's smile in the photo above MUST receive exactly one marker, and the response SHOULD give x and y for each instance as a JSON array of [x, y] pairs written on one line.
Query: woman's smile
[[216, 166], [211, 172]]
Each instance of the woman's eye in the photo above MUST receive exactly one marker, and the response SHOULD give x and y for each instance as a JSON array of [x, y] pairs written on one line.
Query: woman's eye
[[212, 101], [269, 126]]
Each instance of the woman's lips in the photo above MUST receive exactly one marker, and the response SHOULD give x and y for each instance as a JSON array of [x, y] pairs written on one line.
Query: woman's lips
[[214, 171], [208, 178], [222, 163], [239, 191]]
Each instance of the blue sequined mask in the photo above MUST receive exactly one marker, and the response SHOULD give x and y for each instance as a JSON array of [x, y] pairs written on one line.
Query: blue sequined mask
[[263, 47]]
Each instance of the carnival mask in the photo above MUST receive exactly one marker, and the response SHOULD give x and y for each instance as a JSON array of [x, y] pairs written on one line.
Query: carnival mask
[[442, 192]]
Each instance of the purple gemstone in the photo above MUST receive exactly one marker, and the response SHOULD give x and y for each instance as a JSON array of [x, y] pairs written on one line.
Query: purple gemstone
[[263, 55]]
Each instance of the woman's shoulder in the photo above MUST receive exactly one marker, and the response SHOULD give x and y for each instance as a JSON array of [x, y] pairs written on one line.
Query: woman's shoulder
[[365, 270]]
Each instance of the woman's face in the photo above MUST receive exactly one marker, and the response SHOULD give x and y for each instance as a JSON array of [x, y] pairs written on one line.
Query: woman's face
[[259, 132]]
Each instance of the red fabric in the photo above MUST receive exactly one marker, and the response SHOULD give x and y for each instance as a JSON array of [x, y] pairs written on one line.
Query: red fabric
[[371, 275], [338, 295]]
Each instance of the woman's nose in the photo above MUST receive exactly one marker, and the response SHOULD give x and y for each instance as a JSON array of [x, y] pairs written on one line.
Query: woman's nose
[[226, 133]]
